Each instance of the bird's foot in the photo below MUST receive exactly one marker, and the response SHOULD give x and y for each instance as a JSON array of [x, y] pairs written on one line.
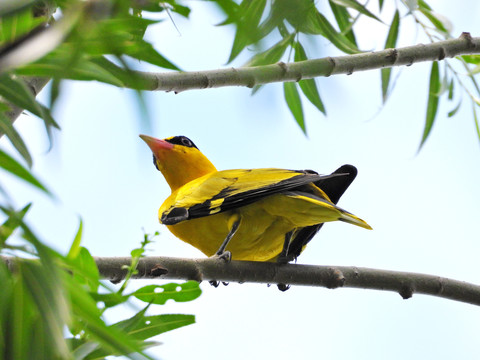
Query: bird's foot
[[225, 256]]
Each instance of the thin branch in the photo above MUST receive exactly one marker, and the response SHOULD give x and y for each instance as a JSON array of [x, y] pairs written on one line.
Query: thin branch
[[332, 277], [282, 72]]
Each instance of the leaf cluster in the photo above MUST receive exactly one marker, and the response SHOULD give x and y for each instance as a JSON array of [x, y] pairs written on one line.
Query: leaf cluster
[[46, 295]]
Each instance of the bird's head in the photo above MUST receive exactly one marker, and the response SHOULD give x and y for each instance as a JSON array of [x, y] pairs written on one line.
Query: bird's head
[[178, 159]]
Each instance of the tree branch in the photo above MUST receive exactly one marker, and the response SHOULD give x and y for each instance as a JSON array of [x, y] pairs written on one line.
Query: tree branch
[[282, 72], [331, 277]]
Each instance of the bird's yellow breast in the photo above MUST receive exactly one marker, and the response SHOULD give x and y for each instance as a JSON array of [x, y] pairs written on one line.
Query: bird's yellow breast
[[261, 234]]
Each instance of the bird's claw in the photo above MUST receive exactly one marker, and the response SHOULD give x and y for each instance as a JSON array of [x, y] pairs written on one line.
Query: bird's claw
[[225, 256]]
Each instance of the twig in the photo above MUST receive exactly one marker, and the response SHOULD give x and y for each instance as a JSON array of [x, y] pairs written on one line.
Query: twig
[[282, 72], [404, 283]]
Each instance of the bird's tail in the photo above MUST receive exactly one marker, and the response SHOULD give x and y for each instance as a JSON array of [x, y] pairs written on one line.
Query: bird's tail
[[354, 220]]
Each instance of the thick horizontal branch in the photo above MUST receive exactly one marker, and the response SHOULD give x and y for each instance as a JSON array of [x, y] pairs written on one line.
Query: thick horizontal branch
[[284, 72], [404, 283]]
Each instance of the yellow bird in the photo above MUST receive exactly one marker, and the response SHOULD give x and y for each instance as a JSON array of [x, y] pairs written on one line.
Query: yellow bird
[[253, 214]]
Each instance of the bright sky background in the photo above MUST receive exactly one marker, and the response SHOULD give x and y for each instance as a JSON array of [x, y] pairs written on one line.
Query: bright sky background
[[423, 208]]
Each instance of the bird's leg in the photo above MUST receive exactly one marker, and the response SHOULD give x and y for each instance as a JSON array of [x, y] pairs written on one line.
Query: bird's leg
[[283, 256], [221, 253]]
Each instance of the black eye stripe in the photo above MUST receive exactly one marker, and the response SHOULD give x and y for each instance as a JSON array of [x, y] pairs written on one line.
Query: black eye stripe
[[181, 140]]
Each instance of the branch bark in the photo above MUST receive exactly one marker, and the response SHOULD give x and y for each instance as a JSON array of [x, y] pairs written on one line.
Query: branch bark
[[284, 72], [404, 283]]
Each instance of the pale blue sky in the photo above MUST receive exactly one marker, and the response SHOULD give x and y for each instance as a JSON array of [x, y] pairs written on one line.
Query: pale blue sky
[[423, 208]]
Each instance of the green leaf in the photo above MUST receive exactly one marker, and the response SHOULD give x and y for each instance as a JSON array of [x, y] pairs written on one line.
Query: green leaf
[[144, 51], [12, 223], [324, 28], [111, 339], [9, 7], [15, 91], [247, 26], [12, 166], [145, 327], [294, 103], [85, 269], [84, 70], [380, 5], [308, 86], [353, 4], [440, 23], [44, 287], [455, 109], [273, 54], [432, 103], [6, 127], [471, 59], [450, 89], [390, 44], [159, 294], [75, 247], [344, 21], [477, 126]]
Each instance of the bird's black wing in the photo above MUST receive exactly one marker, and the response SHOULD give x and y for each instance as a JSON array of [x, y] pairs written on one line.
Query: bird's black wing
[[334, 187]]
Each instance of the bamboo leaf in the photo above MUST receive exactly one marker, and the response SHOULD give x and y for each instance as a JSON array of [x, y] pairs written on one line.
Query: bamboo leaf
[[12, 166], [247, 26], [432, 103], [390, 44], [294, 103], [273, 54], [353, 4], [455, 109], [477, 125], [6, 127], [308, 86], [12, 223], [344, 21], [323, 27]]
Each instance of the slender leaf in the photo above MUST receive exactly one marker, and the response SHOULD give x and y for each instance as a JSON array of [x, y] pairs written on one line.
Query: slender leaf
[[110, 338], [144, 51], [150, 326], [477, 126], [324, 28], [450, 89], [273, 54], [6, 127], [308, 86], [159, 294], [344, 21], [390, 44], [356, 6], [15, 91], [471, 59], [440, 23], [12, 166], [455, 109], [432, 103], [12, 223], [247, 26], [294, 103], [75, 247], [380, 5]]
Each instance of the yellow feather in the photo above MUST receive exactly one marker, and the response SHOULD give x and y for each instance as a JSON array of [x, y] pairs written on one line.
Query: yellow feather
[[269, 203]]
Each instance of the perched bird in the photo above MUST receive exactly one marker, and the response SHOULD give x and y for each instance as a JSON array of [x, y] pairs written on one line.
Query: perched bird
[[255, 214]]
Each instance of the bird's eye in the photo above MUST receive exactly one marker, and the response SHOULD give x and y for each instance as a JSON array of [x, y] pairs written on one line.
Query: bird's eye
[[181, 140], [186, 141]]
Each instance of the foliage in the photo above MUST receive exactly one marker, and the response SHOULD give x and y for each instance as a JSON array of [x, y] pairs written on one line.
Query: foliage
[[97, 41], [48, 292]]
